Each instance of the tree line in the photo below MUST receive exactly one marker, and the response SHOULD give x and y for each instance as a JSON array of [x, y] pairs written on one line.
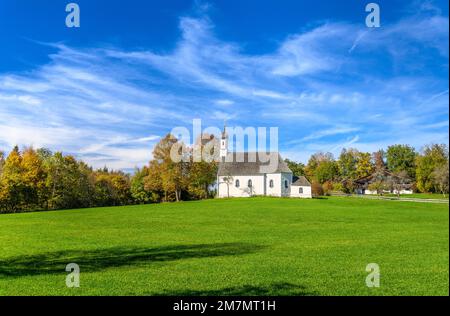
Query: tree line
[[37, 179], [426, 171], [32, 180]]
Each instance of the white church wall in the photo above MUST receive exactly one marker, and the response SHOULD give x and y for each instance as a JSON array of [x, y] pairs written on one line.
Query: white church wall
[[306, 192], [276, 189], [243, 190]]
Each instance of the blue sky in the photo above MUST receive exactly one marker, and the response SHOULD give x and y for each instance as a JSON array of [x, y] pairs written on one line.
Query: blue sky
[[134, 70]]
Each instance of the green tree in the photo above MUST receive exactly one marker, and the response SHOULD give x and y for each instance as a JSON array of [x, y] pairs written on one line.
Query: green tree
[[202, 170], [313, 164], [347, 169], [202, 176], [401, 158], [138, 192], [433, 156], [71, 183], [347, 163], [297, 168], [327, 170]]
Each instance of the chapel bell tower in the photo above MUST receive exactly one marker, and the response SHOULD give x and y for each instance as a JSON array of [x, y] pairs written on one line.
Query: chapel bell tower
[[224, 143]]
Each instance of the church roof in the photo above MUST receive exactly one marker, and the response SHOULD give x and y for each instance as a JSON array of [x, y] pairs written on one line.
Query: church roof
[[301, 182], [251, 163]]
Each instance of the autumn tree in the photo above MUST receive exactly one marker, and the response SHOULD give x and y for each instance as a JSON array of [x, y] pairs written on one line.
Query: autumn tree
[[34, 179], [364, 165], [12, 186], [441, 178], [378, 160], [112, 188], [321, 167], [168, 154], [317, 189], [167, 171], [153, 181]]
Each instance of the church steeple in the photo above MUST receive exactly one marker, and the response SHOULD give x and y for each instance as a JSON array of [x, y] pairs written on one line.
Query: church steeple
[[224, 143]]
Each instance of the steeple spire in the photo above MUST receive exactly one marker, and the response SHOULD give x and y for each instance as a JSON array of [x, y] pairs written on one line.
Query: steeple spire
[[224, 142], [224, 132]]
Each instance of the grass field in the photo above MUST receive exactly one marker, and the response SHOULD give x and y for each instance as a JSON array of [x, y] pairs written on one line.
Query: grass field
[[257, 246], [433, 196]]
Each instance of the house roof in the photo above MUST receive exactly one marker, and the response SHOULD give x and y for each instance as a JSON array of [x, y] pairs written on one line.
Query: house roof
[[251, 163], [301, 182], [381, 175]]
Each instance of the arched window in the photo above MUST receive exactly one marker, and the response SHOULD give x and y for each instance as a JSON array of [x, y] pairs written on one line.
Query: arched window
[[300, 190], [238, 184], [286, 184], [271, 183], [250, 184]]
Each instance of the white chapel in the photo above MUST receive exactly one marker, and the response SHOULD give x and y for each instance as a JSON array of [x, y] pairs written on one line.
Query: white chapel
[[245, 174]]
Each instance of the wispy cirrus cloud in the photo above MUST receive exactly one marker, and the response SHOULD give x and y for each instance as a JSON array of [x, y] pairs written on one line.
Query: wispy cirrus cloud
[[336, 84]]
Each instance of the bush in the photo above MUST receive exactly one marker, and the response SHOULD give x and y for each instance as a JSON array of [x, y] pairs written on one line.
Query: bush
[[316, 189], [327, 187], [338, 187]]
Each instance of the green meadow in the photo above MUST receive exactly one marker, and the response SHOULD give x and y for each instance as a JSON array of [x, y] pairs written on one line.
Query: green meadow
[[430, 196], [255, 246]]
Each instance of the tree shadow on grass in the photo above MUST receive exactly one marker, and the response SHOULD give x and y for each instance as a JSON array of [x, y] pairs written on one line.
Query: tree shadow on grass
[[99, 259], [274, 289]]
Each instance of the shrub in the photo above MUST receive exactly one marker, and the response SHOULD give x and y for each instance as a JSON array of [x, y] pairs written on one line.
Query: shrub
[[327, 187], [339, 187], [316, 189]]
